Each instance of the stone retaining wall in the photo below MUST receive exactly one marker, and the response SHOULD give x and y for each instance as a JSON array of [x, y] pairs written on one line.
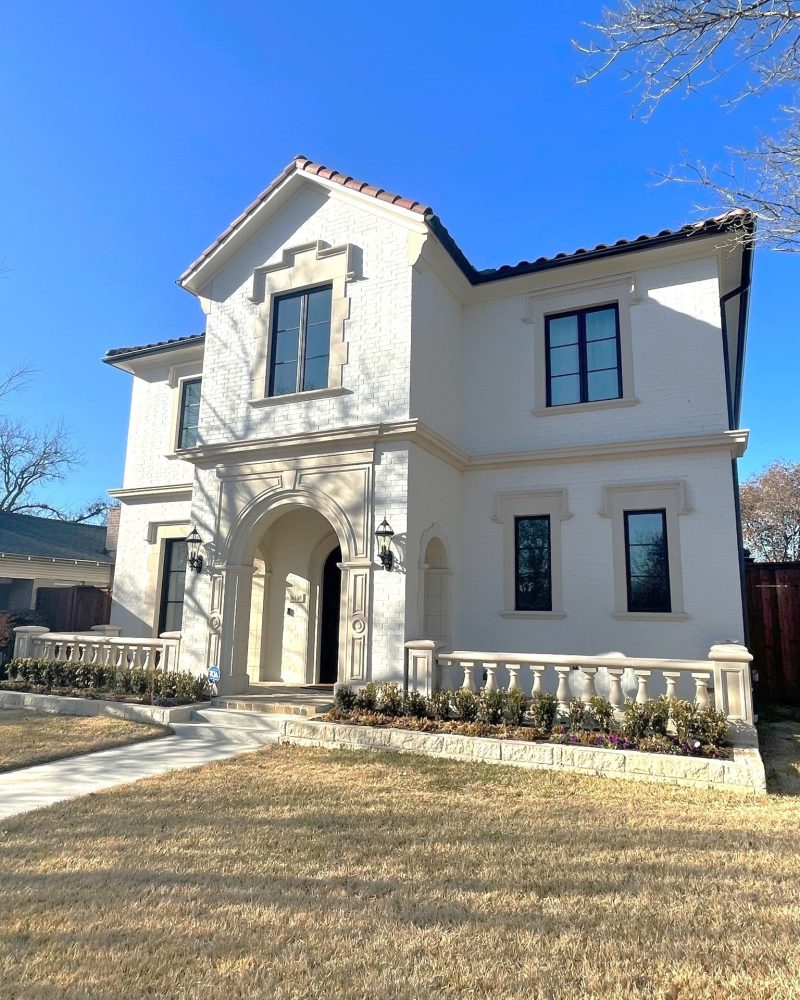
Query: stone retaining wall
[[59, 705], [745, 773]]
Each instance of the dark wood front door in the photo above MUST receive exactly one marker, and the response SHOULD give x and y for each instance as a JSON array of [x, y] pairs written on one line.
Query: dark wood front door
[[329, 627]]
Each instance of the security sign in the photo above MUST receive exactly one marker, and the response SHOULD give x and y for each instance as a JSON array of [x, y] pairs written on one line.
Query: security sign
[[213, 674]]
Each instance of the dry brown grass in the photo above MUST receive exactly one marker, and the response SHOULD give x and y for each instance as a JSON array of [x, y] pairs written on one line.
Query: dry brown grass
[[28, 738], [293, 873], [779, 737]]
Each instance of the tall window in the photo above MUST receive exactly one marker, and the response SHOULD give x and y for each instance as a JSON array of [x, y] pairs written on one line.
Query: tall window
[[532, 586], [190, 413], [647, 561], [583, 356], [301, 338], [173, 583]]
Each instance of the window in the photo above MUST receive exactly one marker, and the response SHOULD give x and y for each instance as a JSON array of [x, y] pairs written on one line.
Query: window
[[583, 356], [532, 587], [173, 583], [301, 336], [647, 561], [190, 413]]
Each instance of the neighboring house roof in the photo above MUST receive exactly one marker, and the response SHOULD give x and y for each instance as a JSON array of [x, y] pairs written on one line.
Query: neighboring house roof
[[117, 353], [44, 537]]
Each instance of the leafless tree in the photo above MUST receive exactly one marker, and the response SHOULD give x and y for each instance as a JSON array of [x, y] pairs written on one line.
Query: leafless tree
[[32, 459], [668, 46], [770, 504]]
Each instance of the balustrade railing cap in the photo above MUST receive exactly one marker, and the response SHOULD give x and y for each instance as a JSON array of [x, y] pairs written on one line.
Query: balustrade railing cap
[[31, 629], [422, 644], [731, 652]]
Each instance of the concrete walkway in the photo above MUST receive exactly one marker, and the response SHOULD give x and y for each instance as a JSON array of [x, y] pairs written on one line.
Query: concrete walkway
[[212, 734]]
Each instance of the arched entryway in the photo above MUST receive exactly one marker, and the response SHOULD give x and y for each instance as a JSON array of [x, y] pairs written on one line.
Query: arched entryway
[[330, 613]]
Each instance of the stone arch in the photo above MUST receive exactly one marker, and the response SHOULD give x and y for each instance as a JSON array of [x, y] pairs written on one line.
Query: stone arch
[[434, 604]]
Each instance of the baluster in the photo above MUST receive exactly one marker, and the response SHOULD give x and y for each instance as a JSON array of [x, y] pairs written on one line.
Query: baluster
[[147, 653], [75, 652], [538, 673], [615, 695], [701, 690], [513, 675], [562, 694], [642, 697], [95, 651], [469, 684], [589, 689], [671, 677], [491, 673]]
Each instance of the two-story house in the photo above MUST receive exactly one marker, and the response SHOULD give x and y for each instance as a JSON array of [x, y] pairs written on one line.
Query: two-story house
[[551, 444]]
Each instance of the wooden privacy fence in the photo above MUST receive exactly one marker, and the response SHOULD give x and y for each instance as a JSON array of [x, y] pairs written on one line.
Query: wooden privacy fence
[[73, 609], [773, 608]]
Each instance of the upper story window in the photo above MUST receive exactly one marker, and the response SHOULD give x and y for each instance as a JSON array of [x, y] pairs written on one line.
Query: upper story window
[[583, 358], [647, 561], [189, 413], [532, 578], [301, 341]]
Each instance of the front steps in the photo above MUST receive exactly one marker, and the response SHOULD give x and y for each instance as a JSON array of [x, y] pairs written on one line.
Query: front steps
[[278, 699], [216, 725]]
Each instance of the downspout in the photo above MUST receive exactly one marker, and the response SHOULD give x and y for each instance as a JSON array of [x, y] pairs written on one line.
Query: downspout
[[734, 397]]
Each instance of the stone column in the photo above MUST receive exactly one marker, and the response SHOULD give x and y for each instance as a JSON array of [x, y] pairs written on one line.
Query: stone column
[[238, 586], [733, 690], [420, 666], [23, 639]]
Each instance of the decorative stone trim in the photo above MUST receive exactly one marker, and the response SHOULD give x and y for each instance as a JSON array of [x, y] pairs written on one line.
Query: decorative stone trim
[[745, 773]]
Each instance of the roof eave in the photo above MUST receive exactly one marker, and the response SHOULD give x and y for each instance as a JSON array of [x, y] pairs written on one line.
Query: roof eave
[[123, 360]]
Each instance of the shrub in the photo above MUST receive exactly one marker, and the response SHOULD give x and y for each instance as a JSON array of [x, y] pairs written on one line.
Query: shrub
[[516, 706], [636, 721], [602, 712], [438, 705], [345, 698], [491, 705], [390, 699], [684, 716], [542, 711], [576, 715], [414, 704], [712, 727], [367, 697], [658, 743], [659, 715], [465, 705]]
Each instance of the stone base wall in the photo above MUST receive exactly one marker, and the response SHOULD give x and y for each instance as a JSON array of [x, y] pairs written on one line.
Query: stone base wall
[[745, 773], [61, 705]]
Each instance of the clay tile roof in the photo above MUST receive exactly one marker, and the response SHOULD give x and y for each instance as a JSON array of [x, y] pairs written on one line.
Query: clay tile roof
[[118, 352], [302, 164]]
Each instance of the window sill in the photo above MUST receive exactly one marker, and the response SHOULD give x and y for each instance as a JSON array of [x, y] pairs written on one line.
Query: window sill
[[298, 397], [650, 616], [533, 614], [600, 404]]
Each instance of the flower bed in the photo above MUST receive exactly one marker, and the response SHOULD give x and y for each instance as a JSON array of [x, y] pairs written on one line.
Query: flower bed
[[135, 685], [664, 726]]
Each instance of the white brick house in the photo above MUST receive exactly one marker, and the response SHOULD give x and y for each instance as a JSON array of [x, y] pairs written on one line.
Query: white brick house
[[552, 443]]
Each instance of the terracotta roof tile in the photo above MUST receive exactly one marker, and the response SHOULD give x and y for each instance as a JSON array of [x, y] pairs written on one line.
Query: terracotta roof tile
[[117, 352]]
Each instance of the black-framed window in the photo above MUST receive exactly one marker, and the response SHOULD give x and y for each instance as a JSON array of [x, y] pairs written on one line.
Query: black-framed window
[[583, 357], [190, 413], [173, 583], [533, 590], [301, 340], [647, 560]]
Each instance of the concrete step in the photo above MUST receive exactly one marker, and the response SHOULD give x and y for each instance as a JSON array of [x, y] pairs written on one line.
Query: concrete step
[[251, 706], [229, 719]]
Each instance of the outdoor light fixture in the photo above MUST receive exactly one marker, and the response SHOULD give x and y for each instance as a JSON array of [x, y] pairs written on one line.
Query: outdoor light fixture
[[384, 534], [194, 542]]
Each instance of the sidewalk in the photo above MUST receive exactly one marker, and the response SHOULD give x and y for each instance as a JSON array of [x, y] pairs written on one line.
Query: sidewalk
[[194, 743]]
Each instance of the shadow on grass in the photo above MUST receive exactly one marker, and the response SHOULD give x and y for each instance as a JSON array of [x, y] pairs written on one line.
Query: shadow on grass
[[779, 740]]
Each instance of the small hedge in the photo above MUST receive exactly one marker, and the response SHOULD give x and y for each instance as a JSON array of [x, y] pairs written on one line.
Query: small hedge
[[663, 725], [94, 680]]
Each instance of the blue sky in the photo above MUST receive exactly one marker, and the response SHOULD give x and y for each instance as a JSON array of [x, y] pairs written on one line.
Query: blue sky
[[133, 133]]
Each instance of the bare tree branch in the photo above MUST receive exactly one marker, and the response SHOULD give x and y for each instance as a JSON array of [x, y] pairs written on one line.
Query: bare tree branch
[[668, 46], [770, 504]]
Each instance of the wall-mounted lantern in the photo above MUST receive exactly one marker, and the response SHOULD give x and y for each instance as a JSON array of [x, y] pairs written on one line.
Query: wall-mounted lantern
[[194, 542], [384, 534]]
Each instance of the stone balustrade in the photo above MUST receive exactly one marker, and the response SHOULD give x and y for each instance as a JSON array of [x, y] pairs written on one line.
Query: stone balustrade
[[722, 680], [103, 646]]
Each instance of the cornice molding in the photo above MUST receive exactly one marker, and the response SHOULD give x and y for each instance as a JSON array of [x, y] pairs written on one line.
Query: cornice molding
[[152, 494]]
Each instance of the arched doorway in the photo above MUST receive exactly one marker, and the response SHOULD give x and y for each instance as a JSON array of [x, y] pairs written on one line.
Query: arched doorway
[[331, 596]]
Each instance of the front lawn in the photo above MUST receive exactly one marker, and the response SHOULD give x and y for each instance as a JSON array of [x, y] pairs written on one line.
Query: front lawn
[[291, 873], [27, 738]]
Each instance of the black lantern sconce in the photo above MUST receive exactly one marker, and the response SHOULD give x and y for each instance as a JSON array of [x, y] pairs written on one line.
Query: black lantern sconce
[[384, 534], [194, 542]]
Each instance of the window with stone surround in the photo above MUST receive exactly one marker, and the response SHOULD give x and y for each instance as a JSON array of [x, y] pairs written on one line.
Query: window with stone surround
[[301, 333], [189, 418]]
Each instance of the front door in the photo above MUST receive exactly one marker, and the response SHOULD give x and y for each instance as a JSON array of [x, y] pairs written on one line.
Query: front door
[[329, 626]]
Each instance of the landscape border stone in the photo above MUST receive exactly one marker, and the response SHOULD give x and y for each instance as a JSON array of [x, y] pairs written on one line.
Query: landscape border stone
[[61, 705], [744, 774]]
